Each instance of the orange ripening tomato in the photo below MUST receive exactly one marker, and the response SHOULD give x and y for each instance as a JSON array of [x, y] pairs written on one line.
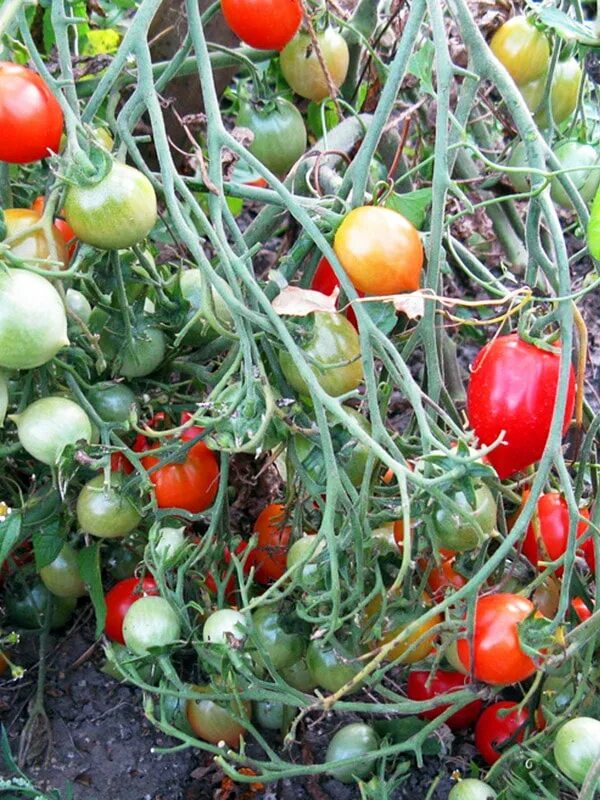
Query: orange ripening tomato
[[552, 527], [27, 244], [497, 654], [581, 609], [380, 250], [61, 225], [269, 556]]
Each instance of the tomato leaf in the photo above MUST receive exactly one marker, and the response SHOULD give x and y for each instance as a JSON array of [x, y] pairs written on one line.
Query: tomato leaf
[[88, 560], [321, 117], [47, 543], [383, 315], [567, 27], [412, 205], [420, 64], [401, 729], [10, 530]]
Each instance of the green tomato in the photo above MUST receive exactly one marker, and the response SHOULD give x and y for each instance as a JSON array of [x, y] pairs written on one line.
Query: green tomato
[[145, 354], [62, 576], [33, 321], [281, 646], [311, 574], [579, 158], [78, 304], [49, 425], [298, 675], [268, 714], [117, 655], [117, 212], [357, 742], [577, 747], [472, 789], [223, 625], [302, 69], [455, 532], [563, 94], [104, 511], [190, 282], [279, 133], [330, 666], [150, 622], [169, 542], [113, 402], [332, 350], [518, 159], [173, 707], [593, 231], [122, 560], [522, 49], [26, 606]]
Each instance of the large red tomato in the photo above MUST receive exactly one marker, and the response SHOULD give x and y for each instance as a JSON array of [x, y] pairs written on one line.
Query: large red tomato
[[553, 529], [512, 389], [493, 730], [118, 600], [497, 654], [269, 556], [264, 24], [190, 484], [31, 120], [325, 281], [421, 687]]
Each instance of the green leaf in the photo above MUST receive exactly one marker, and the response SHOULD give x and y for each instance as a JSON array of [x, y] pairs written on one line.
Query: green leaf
[[420, 64], [568, 28], [10, 530], [401, 729], [412, 205], [101, 42], [47, 544], [319, 113], [88, 560], [383, 315], [48, 31]]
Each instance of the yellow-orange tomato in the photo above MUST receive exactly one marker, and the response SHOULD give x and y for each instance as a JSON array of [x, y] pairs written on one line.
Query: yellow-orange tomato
[[522, 49], [380, 250], [396, 624], [212, 722], [29, 245]]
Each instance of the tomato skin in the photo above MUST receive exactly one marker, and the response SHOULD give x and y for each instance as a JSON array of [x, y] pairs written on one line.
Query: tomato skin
[[145, 354], [269, 556], [444, 578], [106, 513], [460, 534], [211, 722], [492, 730], [423, 648], [512, 388], [330, 666], [302, 69], [31, 119], [521, 49], [113, 401], [356, 741], [283, 648], [593, 231], [380, 250], [333, 348], [49, 425], [577, 747], [33, 245], [263, 24], [580, 608], [191, 484], [564, 92], [553, 516], [115, 213], [582, 161], [26, 606], [279, 133], [118, 601], [33, 322], [419, 687], [589, 554], [498, 658], [150, 621], [472, 789], [325, 281], [61, 576]]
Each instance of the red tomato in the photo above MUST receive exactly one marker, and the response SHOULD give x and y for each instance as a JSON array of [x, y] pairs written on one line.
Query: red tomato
[[231, 587], [580, 608], [61, 225], [191, 484], [264, 24], [587, 549], [31, 119], [492, 730], [498, 658], [512, 389], [419, 687], [269, 557], [553, 516], [118, 600], [325, 281], [444, 578]]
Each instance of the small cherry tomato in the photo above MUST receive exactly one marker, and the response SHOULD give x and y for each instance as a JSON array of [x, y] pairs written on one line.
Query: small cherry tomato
[[581, 609], [302, 68], [472, 789], [104, 511], [150, 621], [118, 600], [421, 687], [62, 576], [279, 132], [494, 730], [589, 553], [522, 49], [444, 578], [279, 642]]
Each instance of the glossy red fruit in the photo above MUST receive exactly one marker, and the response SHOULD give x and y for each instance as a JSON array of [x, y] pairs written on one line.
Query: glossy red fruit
[[118, 601], [512, 389], [325, 281], [419, 687], [580, 608], [264, 24], [553, 529], [587, 548], [269, 556], [493, 730]]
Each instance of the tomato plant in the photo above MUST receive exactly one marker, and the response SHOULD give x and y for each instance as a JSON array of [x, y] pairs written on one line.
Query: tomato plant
[[380, 250], [31, 119], [27, 604], [269, 556], [577, 747], [454, 531], [522, 49], [593, 229], [150, 622], [282, 646], [356, 741], [104, 510], [497, 654], [421, 685], [61, 576], [49, 425], [212, 722], [511, 392], [113, 401], [118, 600], [34, 246], [548, 533], [564, 92], [279, 132], [580, 162], [302, 69], [264, 24], [118, 211], [493, 729]]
